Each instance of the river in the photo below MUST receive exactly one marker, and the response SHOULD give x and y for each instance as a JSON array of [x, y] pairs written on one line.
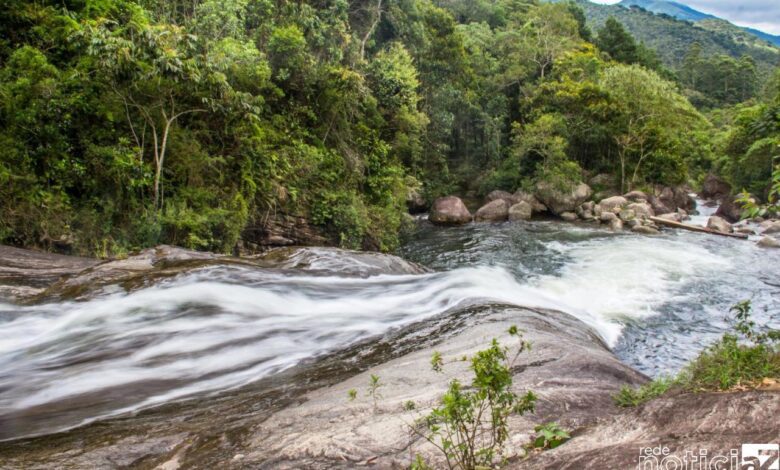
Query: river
[[655, 300]]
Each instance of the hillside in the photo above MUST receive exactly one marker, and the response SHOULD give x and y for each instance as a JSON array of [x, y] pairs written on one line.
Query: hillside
[[704, 20], [672, 37]]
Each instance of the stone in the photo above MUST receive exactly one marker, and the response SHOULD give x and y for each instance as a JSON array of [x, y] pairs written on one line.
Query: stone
[[602, 180], [494, 211], [730, 210], [616, 224], [745, 230], [636, 196], [522, 196], [608, 216], [613, 204], [559, 201], [673, 216], [449, 210], [714, 188], [719, 224], [521, 211], [626, 215], [770, 228], [769, 242], [673, 198], [569, 216], [641, 209], [658, 206], [645, 230], [498, 194]]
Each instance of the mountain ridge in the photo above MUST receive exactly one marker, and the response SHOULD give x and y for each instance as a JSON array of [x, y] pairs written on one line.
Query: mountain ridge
[[687, 13]]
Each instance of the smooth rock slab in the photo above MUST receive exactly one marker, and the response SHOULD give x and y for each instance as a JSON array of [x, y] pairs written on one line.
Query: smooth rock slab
[[521, 211], [494, 211]]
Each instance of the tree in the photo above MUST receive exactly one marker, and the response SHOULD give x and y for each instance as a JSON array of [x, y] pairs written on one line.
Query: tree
[[617, 42], [652, 119]]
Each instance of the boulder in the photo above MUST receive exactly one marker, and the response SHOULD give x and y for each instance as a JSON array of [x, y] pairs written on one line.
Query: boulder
[[719, 224], [729, 210], [673, 216], [569, 216], [745, 230], [521, 211], [613, 204], [770, 226], [602, 180], [607, 216], [645, 230], [522, 196], [673, 199], [616, 224], [769, 242], [494, 211], [714, 188], [627, 214], [659, 207], [498, 194], [559, 201], [641, 209], [636, 196], [449, 210]]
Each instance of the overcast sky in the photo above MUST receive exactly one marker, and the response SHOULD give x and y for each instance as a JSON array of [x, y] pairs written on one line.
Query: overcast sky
[[759, 14]]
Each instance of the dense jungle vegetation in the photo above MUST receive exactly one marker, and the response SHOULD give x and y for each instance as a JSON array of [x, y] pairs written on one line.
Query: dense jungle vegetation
[[127, 123]]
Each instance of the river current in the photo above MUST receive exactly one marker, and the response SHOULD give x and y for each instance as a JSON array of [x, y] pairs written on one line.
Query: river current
[[655, 300]]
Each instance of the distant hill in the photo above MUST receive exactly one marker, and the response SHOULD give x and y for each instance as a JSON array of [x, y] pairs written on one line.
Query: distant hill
[[677, 10], [672, 37], [686, 13]]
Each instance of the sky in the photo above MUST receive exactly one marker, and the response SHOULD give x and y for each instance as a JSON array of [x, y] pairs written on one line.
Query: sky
[[763, 15]]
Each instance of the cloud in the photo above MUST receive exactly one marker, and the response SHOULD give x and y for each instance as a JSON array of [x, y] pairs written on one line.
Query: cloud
[[763, 15]]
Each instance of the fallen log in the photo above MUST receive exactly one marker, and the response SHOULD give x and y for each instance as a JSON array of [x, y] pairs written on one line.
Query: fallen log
[[696, 228]]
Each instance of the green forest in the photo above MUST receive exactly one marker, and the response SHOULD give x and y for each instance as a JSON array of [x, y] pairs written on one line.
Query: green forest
[[199, 123]]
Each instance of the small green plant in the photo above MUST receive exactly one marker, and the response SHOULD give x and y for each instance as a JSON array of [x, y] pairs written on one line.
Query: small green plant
[[549, 436], [750, 208], [629, 396], [470, 426], [374, 385], [409, 405], [352, 394], [436, 361]]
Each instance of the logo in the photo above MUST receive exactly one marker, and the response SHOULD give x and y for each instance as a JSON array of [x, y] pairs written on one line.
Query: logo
[[751, 457], [760, 457]]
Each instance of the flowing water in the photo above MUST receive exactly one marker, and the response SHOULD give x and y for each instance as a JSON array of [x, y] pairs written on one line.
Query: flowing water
[[656, 301]]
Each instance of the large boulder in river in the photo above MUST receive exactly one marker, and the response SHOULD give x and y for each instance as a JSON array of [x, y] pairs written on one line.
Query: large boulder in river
[[449, 210], [642, 209], [521, 211], [769, 242], [522, 196], [714, 188], [673, 198], [729, 210], [659, 207], [770, 226], [494, 211], [613, 204], [559, 200], [719, 224]]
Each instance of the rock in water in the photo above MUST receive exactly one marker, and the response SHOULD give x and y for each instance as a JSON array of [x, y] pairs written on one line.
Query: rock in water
[[613, 204], [607, 216], [449, 210], [641, 209], [520, 211], [536, 205], [715, 188], [719, 224], [569, 216], [645, 230], [494, 211], [729, 210], [559, 201], [615, 224], [769, 242], [770, 226]]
